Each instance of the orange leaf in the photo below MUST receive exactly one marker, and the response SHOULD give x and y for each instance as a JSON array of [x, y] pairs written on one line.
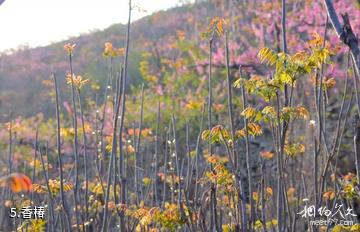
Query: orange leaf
[[266, 154], [329, 195], [17, 182]]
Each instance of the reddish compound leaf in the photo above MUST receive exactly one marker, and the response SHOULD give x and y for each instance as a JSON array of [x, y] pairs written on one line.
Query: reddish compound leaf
[[17, 182]]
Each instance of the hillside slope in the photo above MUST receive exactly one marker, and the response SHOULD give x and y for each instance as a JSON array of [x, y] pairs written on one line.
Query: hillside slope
[[22, 72]]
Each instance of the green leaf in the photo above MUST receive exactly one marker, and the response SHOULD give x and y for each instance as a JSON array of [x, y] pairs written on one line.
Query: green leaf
[[267, 56]]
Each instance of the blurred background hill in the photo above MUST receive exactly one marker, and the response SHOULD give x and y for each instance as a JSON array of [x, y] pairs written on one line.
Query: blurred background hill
[[253, 24], [23, 70]]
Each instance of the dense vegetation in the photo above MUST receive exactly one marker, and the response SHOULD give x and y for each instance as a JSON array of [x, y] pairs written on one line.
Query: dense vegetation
[[216, 116]]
